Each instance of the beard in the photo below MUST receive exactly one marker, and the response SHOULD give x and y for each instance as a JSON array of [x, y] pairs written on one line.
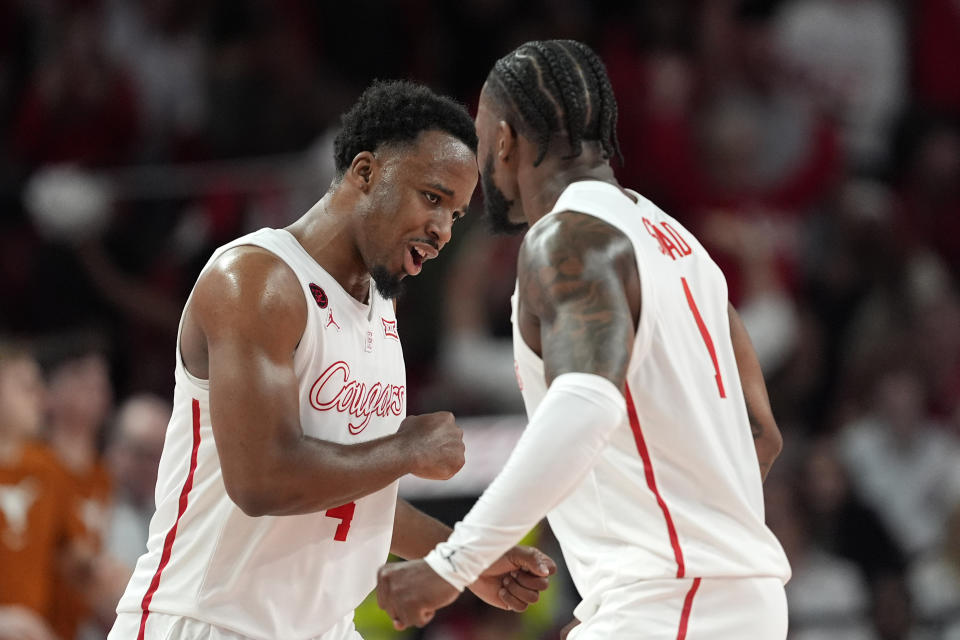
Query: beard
[[388, 285], [496, 206]]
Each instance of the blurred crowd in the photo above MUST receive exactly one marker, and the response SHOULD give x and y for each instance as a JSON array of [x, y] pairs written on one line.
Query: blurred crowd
[[812, 145]]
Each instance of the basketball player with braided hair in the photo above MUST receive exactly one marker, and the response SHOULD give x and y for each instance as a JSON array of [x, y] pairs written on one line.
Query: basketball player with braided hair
[[650, 431]]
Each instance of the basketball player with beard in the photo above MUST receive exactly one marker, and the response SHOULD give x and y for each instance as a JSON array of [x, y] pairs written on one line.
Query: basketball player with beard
[[277, 487], [650, 429]]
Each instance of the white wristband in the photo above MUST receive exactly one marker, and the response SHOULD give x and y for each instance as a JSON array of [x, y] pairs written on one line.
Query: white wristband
[[559, 446]]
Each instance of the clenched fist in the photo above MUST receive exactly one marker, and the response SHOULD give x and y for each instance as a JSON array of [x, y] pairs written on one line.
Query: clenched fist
[[435, 444], [411, 592]]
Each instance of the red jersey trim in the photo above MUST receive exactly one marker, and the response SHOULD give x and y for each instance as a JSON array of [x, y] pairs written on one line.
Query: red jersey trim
[[652, 482], [705, 334], [172, 533], [687, 606]]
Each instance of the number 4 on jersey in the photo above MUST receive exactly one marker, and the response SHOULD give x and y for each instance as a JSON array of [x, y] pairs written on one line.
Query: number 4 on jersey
[[343, 513]]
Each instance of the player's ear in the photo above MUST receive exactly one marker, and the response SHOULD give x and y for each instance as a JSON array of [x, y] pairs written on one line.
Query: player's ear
[[362, 171], [506, 141]]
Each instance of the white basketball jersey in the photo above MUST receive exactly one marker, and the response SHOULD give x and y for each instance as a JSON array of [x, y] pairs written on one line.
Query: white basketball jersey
[[278, 577], [677, 491]]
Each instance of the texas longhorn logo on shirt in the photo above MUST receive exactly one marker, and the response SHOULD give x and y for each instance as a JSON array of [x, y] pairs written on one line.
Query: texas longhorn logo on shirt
[[15, 503], [334, 390]]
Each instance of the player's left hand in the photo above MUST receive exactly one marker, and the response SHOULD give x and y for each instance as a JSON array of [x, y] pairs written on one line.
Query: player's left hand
[[411, 592], [515, 581]]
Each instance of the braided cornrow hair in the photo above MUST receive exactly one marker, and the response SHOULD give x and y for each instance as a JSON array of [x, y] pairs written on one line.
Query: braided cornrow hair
[[558, 86]]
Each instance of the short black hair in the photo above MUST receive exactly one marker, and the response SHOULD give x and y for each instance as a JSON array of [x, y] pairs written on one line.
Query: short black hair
[[397, 111], [558, 86]]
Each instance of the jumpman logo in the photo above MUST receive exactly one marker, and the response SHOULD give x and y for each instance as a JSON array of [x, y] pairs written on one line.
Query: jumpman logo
[[15, 503], [331, 321], [449, 558]]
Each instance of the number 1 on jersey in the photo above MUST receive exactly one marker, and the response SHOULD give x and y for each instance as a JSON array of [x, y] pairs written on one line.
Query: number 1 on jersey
[[705, 334], [343, 513]]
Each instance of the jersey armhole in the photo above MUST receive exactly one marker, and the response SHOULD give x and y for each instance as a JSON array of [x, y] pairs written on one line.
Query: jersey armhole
[[181, 367]]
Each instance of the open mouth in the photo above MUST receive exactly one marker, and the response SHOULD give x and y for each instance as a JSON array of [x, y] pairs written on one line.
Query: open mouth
[[417, 254], [413, 260]]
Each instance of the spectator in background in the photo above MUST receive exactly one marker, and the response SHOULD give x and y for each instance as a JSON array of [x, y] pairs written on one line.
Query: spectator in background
[[34, 527], [743, 163], [893, 611], [787, 149], [80, 399], [935, 583], [764, 157], [476, 357], [838, 521], [134, 455], [938, 346], [929, 187], [261, 80], [852, 266], [851, 55], [900, 463], [159, 44], [79, 107], [827, 596], [842, 525], [746, 139]]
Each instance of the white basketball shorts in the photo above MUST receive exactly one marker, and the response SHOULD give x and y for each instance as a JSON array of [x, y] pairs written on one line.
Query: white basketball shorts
[[160, 626], [686, 609]]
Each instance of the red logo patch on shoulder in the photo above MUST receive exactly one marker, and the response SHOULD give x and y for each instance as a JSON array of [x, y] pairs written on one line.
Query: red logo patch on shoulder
[[319, 295], [390, 329]]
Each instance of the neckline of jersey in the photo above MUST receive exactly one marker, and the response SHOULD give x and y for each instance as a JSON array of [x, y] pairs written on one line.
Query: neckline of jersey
[[364, 308], [590, 184]]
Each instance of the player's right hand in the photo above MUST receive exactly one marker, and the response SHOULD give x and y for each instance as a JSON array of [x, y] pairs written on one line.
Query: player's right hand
[[435, 443]]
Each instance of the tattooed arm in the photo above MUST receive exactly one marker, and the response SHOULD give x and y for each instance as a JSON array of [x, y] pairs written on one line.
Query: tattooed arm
[[579, 285], [766, 436]]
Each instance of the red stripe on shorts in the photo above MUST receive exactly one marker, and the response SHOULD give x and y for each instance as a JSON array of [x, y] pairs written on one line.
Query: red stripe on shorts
[[172, 533], [687, 605], [652, 482]]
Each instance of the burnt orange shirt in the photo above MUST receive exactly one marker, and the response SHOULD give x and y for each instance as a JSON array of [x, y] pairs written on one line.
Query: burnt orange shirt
[[89, 505], [35, 527]]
